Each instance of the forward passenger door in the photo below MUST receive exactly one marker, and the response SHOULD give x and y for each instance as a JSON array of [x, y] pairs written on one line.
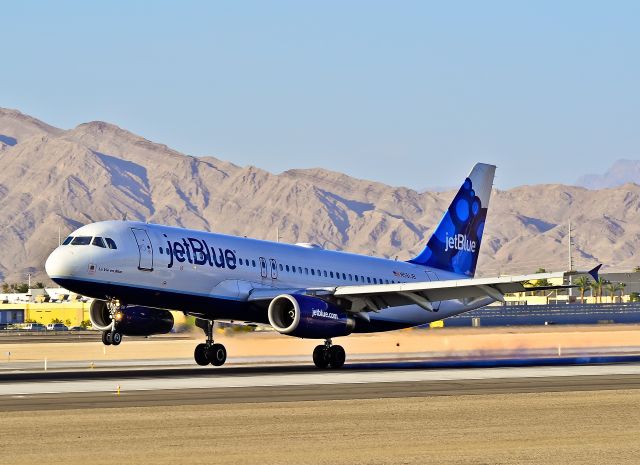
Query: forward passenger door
[[145, 250]]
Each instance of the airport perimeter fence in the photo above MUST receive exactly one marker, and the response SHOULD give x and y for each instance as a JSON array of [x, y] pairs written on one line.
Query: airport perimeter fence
[[532, 315]]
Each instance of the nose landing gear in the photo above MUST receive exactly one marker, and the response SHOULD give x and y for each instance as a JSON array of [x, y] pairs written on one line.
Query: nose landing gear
[[209, 353], [329, 355]]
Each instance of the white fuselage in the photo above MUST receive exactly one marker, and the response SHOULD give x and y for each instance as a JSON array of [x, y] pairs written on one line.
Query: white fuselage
[[213, 274]]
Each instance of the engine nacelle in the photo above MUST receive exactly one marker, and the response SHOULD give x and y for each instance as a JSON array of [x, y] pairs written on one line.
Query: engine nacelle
[[308, 317], [131, 321]]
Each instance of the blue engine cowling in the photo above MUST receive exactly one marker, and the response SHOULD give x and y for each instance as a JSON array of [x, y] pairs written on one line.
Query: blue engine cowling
[[131, 321], [308, 317]]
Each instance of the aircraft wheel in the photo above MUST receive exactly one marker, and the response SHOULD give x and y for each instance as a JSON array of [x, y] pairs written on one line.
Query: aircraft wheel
[[116, 338], [217, 355], [200, 355], [320, 357], [337, 356], [106, 338]]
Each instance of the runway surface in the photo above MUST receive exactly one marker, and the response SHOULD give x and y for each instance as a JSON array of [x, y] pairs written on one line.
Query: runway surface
[[152, 387]]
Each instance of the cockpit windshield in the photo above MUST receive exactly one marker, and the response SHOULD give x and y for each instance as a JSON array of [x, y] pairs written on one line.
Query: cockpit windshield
[[102, 242], [81, 240], [99, 242]]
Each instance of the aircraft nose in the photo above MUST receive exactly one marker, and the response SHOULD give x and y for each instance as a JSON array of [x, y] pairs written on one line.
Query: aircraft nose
[[57, 265]]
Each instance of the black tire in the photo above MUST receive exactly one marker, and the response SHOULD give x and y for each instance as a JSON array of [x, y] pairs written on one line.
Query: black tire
[[217, 355], [106, 338], [116, 338], [337, 356], [200, 355], [320, 357]]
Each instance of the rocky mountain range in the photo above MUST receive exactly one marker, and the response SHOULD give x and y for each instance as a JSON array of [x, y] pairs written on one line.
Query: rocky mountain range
[[54, 180]]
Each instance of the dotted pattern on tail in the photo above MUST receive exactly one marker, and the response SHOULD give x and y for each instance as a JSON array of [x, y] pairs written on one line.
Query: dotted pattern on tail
[[455, 245]]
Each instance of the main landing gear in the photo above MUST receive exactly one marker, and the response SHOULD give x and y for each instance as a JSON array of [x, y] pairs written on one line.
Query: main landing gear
[[209, 353], [328, 355], [113, 336]]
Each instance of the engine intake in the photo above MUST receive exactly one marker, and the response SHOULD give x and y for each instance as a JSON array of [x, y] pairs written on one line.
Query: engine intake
[[308, 317], [131, 321]]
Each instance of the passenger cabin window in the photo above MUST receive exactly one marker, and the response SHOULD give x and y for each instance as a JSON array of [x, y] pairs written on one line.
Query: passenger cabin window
[[98, 241], [81, 240], [110, 243], [67, 240]]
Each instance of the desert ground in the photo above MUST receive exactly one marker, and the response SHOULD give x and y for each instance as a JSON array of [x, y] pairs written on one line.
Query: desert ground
[[600, 427]]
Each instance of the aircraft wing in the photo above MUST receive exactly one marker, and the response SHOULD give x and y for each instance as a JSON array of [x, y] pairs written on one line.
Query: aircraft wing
[[423, 293], [378, 296]]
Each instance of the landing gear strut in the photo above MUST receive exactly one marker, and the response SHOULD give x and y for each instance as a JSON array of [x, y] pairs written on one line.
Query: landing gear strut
[[215, 354], [329, 355], [113, 336]]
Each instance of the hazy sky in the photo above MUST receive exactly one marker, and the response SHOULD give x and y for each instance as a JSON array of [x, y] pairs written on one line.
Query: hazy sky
[[408, 93]]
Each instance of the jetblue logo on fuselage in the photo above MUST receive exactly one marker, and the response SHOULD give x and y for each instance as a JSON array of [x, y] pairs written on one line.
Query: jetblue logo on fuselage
[[459, 242], [198, 252]]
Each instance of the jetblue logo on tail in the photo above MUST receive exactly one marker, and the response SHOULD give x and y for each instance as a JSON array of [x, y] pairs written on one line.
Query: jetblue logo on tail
[[459, 242], [455, 243]]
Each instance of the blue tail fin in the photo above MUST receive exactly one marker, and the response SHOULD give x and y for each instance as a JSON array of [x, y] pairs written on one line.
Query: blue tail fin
[[455, 244]]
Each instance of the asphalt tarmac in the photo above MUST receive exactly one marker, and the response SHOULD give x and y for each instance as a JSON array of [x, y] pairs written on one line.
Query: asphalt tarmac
[[25, 391]]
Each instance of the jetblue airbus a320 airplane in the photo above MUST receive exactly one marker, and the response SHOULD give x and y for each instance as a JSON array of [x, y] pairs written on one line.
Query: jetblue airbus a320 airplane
[[138, 271]]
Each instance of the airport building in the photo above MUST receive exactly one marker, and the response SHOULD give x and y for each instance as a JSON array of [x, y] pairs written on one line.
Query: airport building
[[43, 306], [617, 288]]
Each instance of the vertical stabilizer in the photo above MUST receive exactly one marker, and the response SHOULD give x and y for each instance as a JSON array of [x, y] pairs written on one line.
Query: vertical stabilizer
[[455, 244]]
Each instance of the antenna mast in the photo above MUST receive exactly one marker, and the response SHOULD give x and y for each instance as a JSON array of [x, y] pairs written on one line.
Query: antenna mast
[[570, 248]]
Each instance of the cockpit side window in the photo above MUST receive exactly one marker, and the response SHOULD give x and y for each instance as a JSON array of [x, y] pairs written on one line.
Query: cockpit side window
[[99, 242], [110, 243], [67, 240], [81, 240]]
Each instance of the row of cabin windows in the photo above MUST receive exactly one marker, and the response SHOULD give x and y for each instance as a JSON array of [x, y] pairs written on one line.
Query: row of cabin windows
[[102, 242], [334, 275]]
